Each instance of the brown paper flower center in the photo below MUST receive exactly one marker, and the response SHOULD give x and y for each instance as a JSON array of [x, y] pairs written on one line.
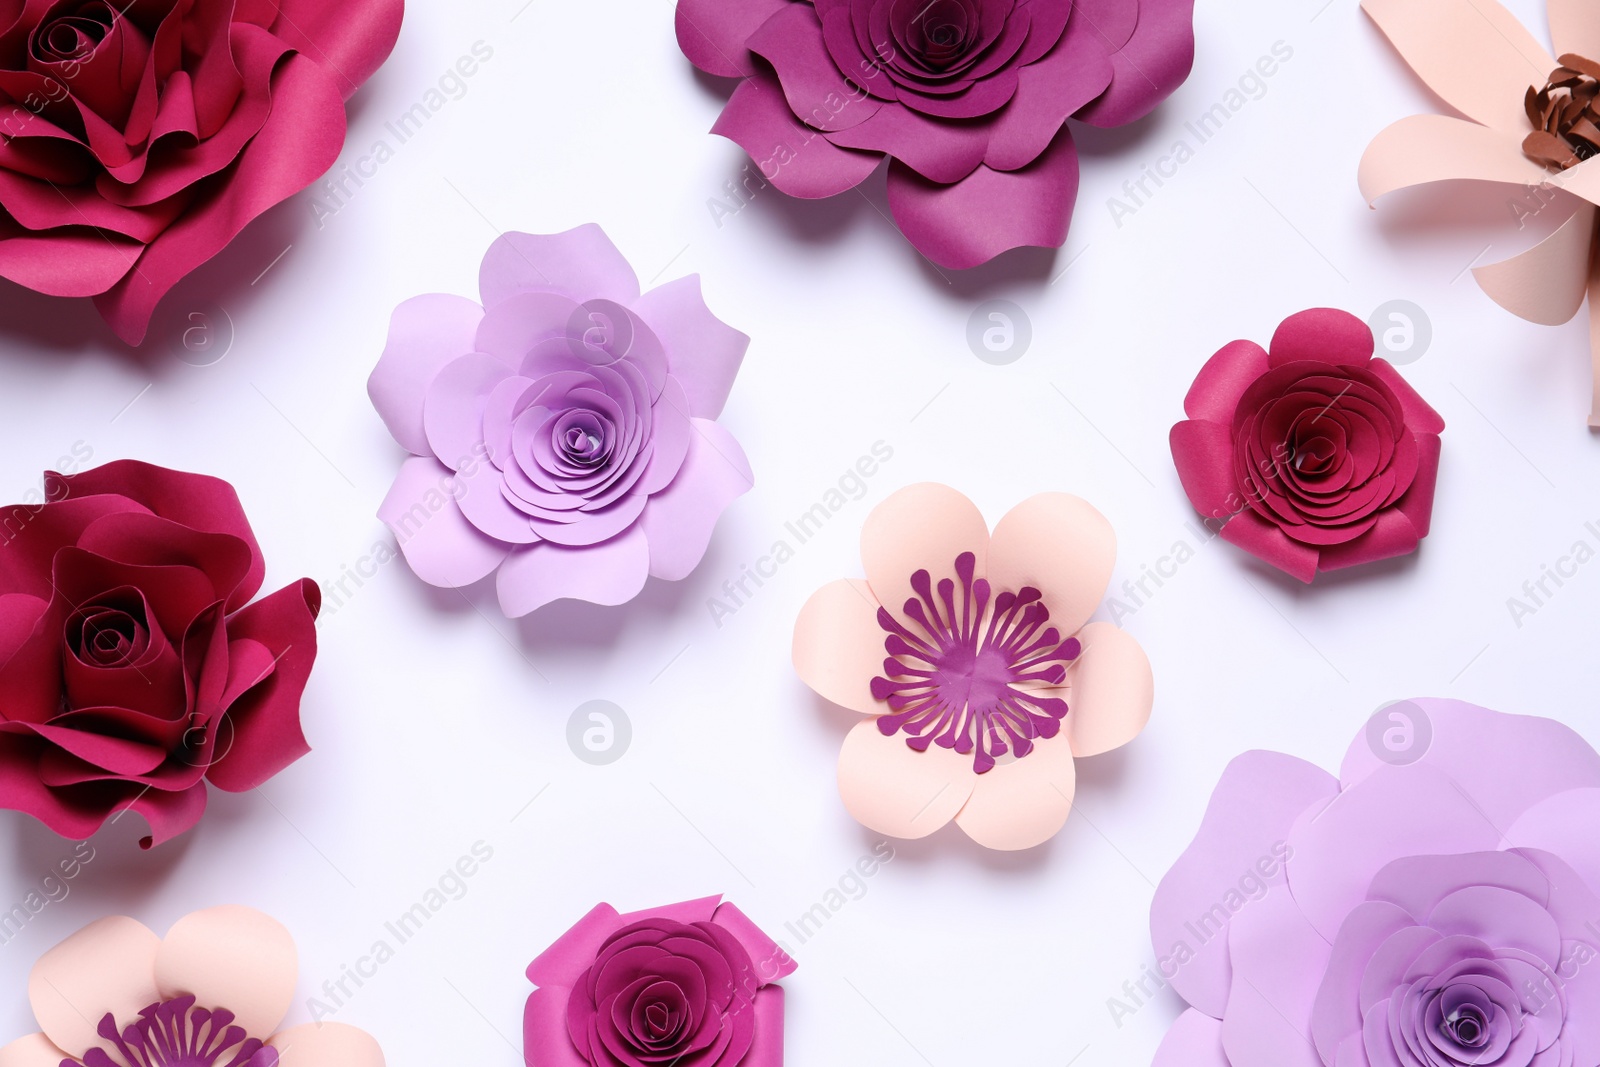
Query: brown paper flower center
[[1564, 114]]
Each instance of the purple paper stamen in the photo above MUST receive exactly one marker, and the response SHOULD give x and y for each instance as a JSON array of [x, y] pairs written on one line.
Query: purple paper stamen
[[175, 1033], [964, 671]]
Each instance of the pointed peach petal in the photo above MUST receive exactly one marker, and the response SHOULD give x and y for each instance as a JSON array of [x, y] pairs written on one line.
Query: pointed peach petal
[[1112, 690], [1575, 26], [35, 1050], [1546, 283], [894, 789], [921, 527], [1437, 148], [1473, 53], [326, 1045], [1060, 545], [1024, 803], [1582, 180], [231, 957], [108, 966], [838, 645]]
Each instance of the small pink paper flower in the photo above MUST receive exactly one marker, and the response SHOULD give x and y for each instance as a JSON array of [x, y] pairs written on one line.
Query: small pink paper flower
[[563, 432], [1314, 455], [994, 680], [211, 994], [688, 984]]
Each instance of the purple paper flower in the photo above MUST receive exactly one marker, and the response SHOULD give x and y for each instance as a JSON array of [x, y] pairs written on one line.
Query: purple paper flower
[[562, 432], [968, 98], [685, 984], [1433, 906]]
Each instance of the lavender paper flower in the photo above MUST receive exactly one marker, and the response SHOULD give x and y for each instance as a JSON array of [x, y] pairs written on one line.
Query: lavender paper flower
[[1433, 906], [562, 432], [968, 98]]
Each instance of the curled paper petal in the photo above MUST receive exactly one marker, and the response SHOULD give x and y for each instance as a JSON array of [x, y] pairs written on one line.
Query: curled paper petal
[[1150, 66], [797, 159], [1435, 148], [970, 651]]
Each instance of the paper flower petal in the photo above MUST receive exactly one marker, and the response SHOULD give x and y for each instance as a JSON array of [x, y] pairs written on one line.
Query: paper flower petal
[[1048, 92], [106, 967], [611, 572], [937, 150], [202, 954], [921, 527], [703, 352], [838, 645], [426, 334], [1574, 27], [794, 157], [580, 263], [1022, 804], [35, 1050], [1062, 546], [1203, 453], [990, 211], [436, 539], [1435, 148], [895, 790], [1152, 64], [712, 33], [1195, 1040], [1325, 334], [1223, 380], [72, 264], [326, 1044], [1473, 53], [351, 39], [1278, 960], [1112, 690], [1547, 283], [679, 520], [817, 93]]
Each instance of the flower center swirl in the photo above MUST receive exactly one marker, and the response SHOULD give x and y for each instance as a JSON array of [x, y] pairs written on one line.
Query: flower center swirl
[[966, 667], [1566, 120], [175, 1033]]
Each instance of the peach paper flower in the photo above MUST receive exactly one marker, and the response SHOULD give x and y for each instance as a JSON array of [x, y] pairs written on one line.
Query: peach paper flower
[[211, 994], [992, 682], [1532, 124]]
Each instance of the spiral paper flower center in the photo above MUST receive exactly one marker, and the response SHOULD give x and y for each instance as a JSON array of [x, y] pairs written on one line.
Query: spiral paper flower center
[[965, 667], [1467, 1026], [74, 33], [583, 438], [1565, 118], [175, 1033], [112, 632]]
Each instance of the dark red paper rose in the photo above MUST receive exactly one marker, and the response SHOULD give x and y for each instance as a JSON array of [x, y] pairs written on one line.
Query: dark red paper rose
[[133, 667], [138, 137], [1317, 455], [969, 99]]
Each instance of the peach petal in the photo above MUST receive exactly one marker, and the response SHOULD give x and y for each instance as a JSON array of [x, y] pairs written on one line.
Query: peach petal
[[1436, 148], [1112, 690], [1061, 545], [35, 1050], [921, 527], [838, 645], [1582, 180], [231, 957], [1023, 803], [326, 1045], [894, 789], [1575, 26], [108, 966], [1546, 283]]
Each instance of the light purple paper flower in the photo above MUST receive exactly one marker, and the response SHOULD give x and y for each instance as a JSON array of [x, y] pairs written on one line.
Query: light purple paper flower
[[968, 98], [562, 432], [1433, 906]]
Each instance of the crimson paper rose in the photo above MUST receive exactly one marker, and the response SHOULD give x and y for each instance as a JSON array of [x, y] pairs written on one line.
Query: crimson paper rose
[[1317, 455], [138, 138], [689, 985], [133, 667], [968, 98]]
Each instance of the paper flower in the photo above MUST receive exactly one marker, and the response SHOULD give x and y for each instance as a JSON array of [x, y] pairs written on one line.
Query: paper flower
[[140, 138], [211, 994], [133, 667], [1316, 456], [1433, 906], [994, 680], [1529, 118], [686, 984], [562, 433], [968, 98]]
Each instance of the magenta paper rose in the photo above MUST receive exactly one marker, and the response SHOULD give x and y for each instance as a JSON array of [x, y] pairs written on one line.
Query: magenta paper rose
[[138, 138], [969, 100], [562, 432], [688, 985], [1315, 455], [1435, 905]]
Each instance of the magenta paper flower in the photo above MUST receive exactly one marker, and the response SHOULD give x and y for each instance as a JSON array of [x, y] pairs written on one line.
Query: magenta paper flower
[[562, 432], [1315, 455], [212, 993], [688, 984], [1435, 905], [994, 678], [968, 98]]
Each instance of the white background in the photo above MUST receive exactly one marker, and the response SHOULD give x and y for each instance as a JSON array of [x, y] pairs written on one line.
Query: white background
[[435, 721]]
